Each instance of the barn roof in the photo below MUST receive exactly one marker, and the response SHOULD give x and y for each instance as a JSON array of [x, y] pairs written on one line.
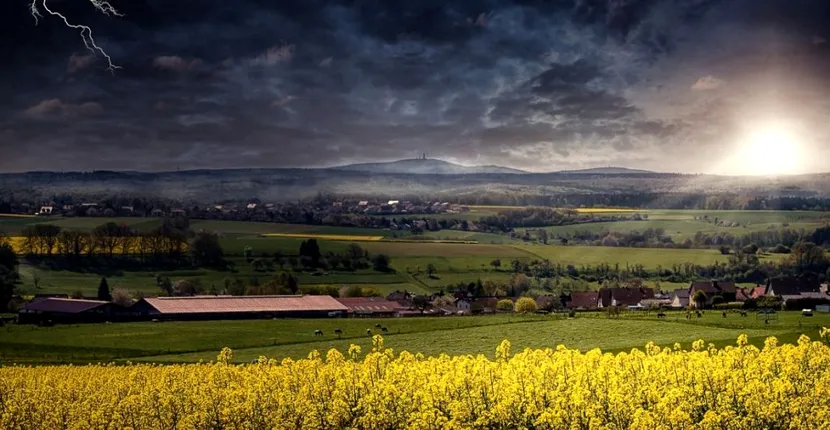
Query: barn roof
[[624, 296], [241, 304], [584, 299], [790, 286], [61, 305], [714, 287], [369, 304]]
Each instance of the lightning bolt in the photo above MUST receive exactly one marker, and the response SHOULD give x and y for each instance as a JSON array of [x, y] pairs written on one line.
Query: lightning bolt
[[102, 6]]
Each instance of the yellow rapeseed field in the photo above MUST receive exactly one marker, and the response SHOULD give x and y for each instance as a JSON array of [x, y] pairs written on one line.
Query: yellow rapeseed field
[[740, 387], [349, 237]]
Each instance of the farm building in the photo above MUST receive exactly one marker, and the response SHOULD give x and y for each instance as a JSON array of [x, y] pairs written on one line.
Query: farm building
[[680, 298], [239, 307], [792, 286], [60, 310], [623, 296], [584, 300], [370, 306]]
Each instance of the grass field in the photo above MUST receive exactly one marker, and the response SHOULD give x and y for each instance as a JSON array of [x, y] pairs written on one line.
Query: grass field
[[648, 257], [681, 224], [194, 341]]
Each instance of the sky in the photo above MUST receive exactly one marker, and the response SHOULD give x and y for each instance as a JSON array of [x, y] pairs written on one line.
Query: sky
[[693, 86]]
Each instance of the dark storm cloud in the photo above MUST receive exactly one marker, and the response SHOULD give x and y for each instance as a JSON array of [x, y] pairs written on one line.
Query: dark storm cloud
[[532, 84]]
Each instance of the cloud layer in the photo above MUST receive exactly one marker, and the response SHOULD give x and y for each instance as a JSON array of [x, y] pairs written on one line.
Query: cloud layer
[[657, 84]]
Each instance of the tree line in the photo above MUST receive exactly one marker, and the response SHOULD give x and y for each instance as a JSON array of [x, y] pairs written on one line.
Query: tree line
[[172, 244]]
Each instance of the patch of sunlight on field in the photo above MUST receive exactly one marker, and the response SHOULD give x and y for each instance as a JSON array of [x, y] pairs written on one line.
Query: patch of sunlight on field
[[578, 210], [607, 210], [346, 237], [17, 216]]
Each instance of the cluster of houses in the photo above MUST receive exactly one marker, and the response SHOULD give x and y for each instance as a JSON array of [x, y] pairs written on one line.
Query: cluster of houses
[[61, 309]]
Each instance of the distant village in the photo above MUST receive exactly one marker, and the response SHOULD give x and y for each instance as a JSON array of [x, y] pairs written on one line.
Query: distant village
[[795, 293], [253, 209]]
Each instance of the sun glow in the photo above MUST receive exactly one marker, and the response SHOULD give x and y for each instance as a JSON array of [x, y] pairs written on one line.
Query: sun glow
[[771, 150]]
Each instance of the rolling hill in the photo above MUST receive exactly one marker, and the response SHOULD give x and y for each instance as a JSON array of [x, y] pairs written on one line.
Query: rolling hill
[[420, 166]]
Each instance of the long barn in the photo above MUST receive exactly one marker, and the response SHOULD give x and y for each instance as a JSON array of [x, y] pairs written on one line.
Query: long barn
[[239, 307]]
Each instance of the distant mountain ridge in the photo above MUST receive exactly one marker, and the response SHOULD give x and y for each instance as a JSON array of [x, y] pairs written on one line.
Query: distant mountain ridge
[[607, 171], [425, 166]]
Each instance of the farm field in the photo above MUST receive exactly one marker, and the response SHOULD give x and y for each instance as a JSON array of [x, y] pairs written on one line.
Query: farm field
[[681, 224], [455, 262], [194, 341], [648, 257]]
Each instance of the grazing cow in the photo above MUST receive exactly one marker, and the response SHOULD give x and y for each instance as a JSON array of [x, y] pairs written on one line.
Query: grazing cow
[[383, 329], [743, 313], [724, 314], [688, 315], [661, 315], [338, 332], [377, 325], [369, 331], [318, 332], [699, 314]]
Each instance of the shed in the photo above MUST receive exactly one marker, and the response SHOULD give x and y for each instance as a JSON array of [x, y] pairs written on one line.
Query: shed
[[62, 310]]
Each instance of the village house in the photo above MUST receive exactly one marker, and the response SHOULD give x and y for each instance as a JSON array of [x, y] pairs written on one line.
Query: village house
[[680, 298], [463, 304], [623, 296], [402, 298], [724, 289]]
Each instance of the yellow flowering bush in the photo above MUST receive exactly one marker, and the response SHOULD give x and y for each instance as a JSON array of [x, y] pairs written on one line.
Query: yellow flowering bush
[[737, 387]]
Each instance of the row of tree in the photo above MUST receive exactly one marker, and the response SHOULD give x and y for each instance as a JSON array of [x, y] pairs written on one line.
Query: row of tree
[[111, 244]]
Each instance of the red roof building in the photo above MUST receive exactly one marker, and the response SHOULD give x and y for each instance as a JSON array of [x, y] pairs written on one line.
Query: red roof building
[[231, 307], [758, 291], [370, 306]]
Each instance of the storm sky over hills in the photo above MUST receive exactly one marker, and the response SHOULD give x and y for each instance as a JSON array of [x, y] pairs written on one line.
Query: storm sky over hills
[[536, 85]]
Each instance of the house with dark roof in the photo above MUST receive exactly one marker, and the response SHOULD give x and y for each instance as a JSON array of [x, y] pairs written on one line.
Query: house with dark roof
[[239, 307], [584, 300], [794, 287], [63, 310], [725, 289], [403, 298], [623, 296], [369, 306], [680, 298]]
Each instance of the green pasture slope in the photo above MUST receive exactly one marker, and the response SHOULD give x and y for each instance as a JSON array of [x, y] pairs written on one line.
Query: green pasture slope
[[195, 341], [681, 224]]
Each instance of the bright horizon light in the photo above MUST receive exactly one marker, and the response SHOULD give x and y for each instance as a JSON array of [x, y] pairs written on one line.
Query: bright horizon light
[[770, 150]]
